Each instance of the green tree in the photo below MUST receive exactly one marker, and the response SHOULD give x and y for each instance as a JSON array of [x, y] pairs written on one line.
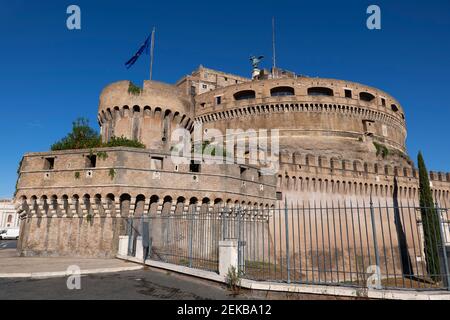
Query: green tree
[[85, 137], [81, 137], [430, 221]]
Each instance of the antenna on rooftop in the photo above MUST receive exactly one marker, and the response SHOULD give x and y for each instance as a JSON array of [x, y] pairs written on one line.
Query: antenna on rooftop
[[152, 47]]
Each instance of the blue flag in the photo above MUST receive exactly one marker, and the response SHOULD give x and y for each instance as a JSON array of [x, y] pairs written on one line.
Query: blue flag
[[144, 47]]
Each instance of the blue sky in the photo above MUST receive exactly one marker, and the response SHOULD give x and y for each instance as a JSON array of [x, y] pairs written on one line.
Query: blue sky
[[51, 75]]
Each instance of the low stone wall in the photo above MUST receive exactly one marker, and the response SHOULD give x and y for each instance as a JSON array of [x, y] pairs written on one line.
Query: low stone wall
[[70, 236]]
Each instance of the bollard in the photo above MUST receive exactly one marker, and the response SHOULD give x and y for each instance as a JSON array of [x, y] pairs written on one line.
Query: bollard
[[228, 255], [139, 249], [123, 246]]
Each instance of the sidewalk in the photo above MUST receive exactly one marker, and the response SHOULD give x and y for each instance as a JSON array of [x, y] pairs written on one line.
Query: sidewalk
[[12, 266]]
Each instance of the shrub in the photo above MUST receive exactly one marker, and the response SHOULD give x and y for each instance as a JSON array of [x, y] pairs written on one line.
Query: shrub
[[134, 89], [18, 176], [217, 149], [85, 137], [234, 279], [124, 142], [112, 173], [102, 155], [381, 149]]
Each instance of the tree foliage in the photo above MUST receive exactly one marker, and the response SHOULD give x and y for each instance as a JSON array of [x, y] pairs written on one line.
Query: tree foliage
[[123, 142], [134, 89], [381, 149], [83, 136], [430, 221]]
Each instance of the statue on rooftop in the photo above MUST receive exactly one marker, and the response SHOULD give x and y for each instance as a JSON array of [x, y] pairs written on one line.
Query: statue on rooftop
[[255, 61]]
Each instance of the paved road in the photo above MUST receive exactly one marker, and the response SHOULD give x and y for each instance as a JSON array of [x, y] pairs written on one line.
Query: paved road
[[149, 283], [134, 285], [8, 244]]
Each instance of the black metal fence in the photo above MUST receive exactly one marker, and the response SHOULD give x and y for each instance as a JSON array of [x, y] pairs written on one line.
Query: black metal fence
[[352, 244]]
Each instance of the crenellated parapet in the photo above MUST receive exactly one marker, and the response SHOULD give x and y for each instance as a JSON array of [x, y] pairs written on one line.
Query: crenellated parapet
[[77, 185], [148, 115], [302, 175]]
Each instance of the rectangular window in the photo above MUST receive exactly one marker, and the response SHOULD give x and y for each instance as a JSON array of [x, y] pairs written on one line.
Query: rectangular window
[[91, 161], [279, 196], [192, 90], [156, 163], [194, 167], [348, 93], [369, 126], [204, 86], [383, 102], [218, 100], [384, 130], [242, 169], [49, 163]]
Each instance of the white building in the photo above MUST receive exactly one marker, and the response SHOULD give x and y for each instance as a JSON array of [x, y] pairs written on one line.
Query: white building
[[8, 215]]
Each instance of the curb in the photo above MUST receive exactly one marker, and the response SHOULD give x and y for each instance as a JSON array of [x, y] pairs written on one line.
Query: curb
[[385, 294], [55, 274]]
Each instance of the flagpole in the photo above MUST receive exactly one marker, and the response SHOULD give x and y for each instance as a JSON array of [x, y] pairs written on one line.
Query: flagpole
[[151, 52], [273, 47]]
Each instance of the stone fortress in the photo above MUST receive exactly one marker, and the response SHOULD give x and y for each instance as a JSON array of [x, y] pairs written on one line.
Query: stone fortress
[[338, 140]]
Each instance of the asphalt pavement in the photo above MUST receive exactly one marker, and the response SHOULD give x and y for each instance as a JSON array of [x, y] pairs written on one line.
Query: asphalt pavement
[[8, 244], [133, 285], [150, 284]]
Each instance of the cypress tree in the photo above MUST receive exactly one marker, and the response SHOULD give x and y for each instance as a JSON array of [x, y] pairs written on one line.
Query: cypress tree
[[430, 222]]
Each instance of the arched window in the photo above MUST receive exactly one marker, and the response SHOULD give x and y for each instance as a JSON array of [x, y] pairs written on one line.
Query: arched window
[[245, 94], [320, 91], [282, 91], [167, 206], [179, 209], [153, 207], [139, 206], [365, 96], [125, 202]]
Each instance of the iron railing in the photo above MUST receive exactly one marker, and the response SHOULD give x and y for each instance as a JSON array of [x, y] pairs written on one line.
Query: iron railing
[[333, 243]]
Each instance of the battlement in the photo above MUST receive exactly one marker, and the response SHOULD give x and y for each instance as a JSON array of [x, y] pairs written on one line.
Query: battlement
[[136, 171], [333, 165], [152, 94]]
